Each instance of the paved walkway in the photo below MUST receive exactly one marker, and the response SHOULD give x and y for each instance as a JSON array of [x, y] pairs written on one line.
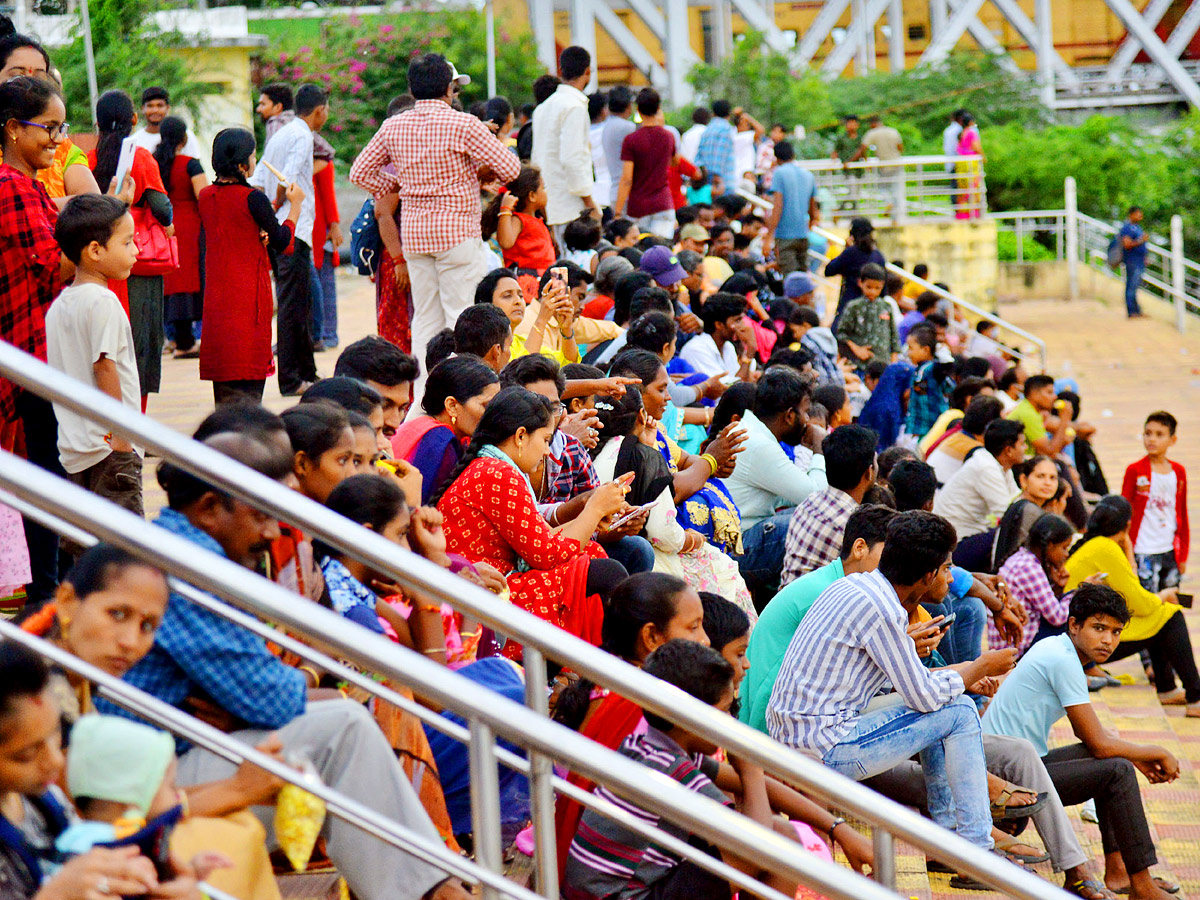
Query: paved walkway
[[1125, 369]]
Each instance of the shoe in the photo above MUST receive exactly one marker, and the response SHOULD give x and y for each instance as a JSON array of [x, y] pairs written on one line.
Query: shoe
[[191, 353], [1097, 682], [1177, 697], [319, 347], [168, 348], [298, 390], [1193, 711]]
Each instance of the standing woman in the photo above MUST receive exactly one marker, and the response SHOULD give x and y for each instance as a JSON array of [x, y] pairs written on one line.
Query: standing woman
[[115, 119], [32, 272], [860, 250], [235, 354], [970, 182], [184, 179]]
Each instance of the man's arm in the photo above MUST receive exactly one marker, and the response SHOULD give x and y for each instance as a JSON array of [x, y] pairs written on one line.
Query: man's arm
[[772, 222], [486, 150], [367, 171], [1155, 762], [576, 155], [1051, 446], [892, 650], [626, 184]]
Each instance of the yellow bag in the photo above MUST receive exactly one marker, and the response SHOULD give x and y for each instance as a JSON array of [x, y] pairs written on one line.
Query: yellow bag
[[299, 816]]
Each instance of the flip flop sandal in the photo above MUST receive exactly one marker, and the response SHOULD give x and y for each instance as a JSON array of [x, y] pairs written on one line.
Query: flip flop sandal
[[1095, 890], [1163, 885], [1001, 810], [970, 883], [1005, 847]]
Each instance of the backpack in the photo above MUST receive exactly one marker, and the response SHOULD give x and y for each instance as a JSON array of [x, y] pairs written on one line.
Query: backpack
[[365, 243], [1116, 251]]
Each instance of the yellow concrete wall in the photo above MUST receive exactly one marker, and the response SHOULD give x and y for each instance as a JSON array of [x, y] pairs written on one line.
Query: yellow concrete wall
[[961, 254], [229, 69]]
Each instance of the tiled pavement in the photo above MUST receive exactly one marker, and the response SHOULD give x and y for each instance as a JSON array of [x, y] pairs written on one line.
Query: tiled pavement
[[1125, 369]]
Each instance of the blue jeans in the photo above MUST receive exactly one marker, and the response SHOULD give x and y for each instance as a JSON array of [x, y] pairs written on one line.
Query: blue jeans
[[964, 642], [1134, 269], [633, 552], [327, 282], [761, 562], [950, 744]]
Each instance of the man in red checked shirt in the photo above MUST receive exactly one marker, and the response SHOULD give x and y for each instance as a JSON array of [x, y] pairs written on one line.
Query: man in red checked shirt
[[437, 155]]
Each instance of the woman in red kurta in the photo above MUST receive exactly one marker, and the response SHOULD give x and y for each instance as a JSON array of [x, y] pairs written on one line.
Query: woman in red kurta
[[491, 516], [184, 179], [235, 354]]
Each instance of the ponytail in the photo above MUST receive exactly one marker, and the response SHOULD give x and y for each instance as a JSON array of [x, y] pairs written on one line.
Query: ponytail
[[114, 119], [1110, 517], [521, 187], [172, 132]]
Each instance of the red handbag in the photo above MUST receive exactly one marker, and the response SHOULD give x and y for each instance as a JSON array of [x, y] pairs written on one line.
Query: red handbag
[[158, 254]]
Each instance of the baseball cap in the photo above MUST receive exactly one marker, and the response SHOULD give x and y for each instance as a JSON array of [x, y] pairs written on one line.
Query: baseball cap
[[463, 80], [797, 284], [693, 231], [661, 263]]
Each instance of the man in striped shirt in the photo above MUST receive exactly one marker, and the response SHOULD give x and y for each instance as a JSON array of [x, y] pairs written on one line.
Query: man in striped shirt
[[854, 641]]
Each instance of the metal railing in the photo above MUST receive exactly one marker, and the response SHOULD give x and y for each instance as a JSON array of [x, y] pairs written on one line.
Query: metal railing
[[911, 187], [489, 714]]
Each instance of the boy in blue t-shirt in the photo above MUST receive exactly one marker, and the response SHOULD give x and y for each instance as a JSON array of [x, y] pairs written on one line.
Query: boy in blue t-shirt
[[1049, 682]]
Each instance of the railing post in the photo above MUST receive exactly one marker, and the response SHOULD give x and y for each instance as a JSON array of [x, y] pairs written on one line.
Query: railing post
[[1177, 273], [884, 870], [1071, 199], [1019, 230], [485, 802], [541, 788]]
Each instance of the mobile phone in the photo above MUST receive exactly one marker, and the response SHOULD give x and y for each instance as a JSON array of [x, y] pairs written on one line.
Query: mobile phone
[[632, 514], [1103, 576], [559, 273], [947, 621], [1184, 600]]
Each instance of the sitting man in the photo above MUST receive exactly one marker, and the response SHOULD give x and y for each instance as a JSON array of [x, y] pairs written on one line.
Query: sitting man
[[202, 662], [1050, 682], [948, 454], [814, 534], [851, 642], [384, 366], [766, 483]]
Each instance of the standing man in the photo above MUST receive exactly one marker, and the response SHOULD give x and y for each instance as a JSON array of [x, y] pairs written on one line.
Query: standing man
[[689, 143], [1133, 240], [646, 157], [715, 153], [618, 126], [887, 145], [561, 146], [156, 106], [290, 151], [439, 156], [950, 135], [845, 148], [275, 106], [794, 191]]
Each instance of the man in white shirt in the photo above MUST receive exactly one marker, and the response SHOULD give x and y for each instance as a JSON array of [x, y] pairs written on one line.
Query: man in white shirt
[[976, 496], [561, 148], [950, 135], [290, 151], [689, 143], [714, 352], [766, 484], [156, 106]]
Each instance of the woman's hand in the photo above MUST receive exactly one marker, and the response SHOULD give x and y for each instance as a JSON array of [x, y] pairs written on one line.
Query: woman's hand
[[725, 447], [607, 499], [693, 541], [126, 191], [553, 295], [491, 578], [294, 194], [425, 535], [400, 271], [121, 871], [647, 430], [860, 852], [508, 201]]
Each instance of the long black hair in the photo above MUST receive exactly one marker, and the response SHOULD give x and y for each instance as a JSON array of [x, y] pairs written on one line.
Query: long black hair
[[1047, 530], [639, 600], [510, 410], [232, 148], [460, 377], [114, 119], [173, 133], [1110, 516], [618, 416]]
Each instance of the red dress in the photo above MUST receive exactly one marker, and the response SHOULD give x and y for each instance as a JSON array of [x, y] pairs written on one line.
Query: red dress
[[238, 303], [533, 249], [186, 216], [325, 198], [490, 517]]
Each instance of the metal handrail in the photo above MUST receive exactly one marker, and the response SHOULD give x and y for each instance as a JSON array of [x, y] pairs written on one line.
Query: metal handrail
[[417, 574], [649, 790], [834, 165]]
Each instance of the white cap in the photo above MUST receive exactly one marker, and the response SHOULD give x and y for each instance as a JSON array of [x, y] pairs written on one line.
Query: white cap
[[463, 80]]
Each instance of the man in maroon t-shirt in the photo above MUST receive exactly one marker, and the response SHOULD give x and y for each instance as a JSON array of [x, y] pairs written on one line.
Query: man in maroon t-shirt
[[644, 193]]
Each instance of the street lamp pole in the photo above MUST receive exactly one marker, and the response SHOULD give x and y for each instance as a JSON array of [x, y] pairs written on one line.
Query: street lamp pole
[[490, 10], [89, 57]]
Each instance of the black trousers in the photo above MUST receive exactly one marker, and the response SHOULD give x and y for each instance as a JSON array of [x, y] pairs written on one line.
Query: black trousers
[[293, 329], [1170, 653], [1112, 783], [41, 447]]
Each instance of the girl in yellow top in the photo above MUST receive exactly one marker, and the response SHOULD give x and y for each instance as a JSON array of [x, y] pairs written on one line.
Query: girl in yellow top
[[1156, 623]]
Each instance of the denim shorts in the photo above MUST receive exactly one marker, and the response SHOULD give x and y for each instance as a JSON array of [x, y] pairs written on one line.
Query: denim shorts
[[1157, 571]]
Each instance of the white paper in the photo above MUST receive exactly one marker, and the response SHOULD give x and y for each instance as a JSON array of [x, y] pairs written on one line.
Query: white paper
[[124, 161]]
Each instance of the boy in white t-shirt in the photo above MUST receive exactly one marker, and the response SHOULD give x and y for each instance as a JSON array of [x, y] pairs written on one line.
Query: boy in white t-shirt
[[88, 337], [1156, 488]]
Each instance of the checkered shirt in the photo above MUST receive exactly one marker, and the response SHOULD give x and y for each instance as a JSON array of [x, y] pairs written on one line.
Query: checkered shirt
[[1027, 582], [814, 535], [436, 153], [571, 472], [716, 152], [29, 279]]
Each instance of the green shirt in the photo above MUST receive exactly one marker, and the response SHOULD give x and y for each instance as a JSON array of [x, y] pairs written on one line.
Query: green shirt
[[846, 146], [870, 323], [1035, 429], [771, 636]]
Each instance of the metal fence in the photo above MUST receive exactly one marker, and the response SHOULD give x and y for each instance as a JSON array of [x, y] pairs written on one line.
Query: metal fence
[[912, 187], [489, 715]]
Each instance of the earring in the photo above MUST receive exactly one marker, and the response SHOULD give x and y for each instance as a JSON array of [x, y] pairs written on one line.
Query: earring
[[453, 419]]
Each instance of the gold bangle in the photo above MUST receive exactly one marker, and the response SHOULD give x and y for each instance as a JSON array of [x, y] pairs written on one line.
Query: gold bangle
[[434, 650], [309, 670], [711, 460]]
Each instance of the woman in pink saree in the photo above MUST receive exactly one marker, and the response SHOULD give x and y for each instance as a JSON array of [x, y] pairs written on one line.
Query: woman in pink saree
[[970, 171]]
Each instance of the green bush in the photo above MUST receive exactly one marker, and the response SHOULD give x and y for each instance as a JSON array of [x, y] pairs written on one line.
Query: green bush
[[1031, 250]]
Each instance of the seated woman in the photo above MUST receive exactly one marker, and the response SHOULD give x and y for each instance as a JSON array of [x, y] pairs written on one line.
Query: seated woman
[[456, 394], [1035, 576], [1156, 623], [500, 288], [491, 515], [701, 499], [1042, 491], [884, 413], [627, 443]]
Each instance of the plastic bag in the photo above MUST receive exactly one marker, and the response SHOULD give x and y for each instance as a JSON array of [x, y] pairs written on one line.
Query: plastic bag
[[299, 816]]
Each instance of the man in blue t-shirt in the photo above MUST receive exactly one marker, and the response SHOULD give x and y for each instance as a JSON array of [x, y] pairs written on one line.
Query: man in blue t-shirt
[[794, 191], [1048, 683], [1133, 242]]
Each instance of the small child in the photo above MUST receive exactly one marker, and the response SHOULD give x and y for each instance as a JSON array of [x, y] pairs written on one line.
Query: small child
[[836, 401], [913, 290], [873, 373], [1156, 488], [805, 331], [581, 238], [88, 336], [929, 393], [868, 325], [517, 218]]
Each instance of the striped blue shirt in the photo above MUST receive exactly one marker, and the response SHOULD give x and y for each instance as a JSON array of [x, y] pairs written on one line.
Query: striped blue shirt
[[849, 645]]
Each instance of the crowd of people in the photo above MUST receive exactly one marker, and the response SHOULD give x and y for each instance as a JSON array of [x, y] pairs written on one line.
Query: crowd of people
[[607, 388]]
